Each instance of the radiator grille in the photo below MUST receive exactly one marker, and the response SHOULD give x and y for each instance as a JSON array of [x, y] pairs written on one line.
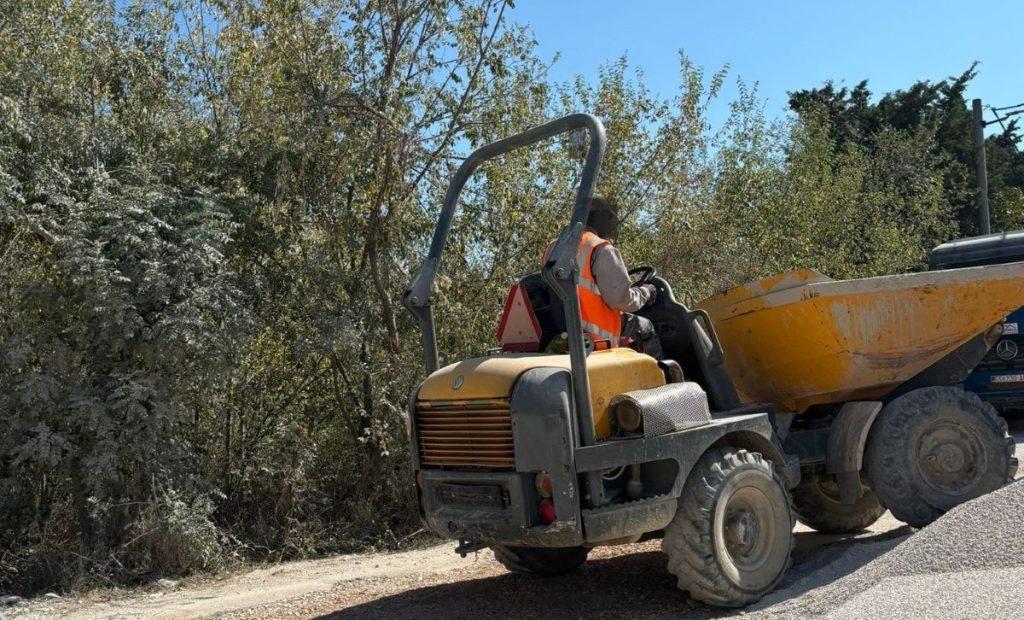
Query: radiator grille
[[465, 433]]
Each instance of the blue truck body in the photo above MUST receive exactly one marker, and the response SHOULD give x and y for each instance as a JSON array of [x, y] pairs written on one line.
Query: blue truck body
[[999, 377]]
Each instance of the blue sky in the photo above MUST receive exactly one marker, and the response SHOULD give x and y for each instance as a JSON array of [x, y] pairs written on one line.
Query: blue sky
[[789, 45]]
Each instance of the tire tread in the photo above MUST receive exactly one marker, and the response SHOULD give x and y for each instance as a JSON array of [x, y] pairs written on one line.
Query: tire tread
[[885, 449], [540, 560], [688, 538]]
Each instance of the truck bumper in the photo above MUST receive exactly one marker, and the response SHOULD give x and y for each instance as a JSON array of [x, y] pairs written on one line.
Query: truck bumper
[[491, 507], [500, 507]]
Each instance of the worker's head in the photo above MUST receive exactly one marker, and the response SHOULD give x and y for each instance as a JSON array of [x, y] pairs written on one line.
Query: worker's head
[[603, 218]]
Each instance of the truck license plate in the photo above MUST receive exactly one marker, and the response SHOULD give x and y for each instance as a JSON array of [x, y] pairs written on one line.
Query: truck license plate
[[486, 496], [1008, 379]]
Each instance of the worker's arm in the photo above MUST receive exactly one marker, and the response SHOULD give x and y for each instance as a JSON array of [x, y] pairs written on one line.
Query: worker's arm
[[613, 280]]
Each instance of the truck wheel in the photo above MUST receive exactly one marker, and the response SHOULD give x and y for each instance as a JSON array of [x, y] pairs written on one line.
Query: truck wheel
[[934, 448], [540, 560], [816, 504], [730, 540]]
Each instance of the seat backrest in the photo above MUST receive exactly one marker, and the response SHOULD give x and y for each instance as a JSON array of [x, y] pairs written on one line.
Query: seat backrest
[[547, 307], [688, 337]]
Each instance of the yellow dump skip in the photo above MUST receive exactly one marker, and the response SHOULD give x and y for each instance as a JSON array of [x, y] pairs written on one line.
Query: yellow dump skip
[[801, 338]]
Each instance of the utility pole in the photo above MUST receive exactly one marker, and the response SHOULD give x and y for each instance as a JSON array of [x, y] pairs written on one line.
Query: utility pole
[[981, 169]]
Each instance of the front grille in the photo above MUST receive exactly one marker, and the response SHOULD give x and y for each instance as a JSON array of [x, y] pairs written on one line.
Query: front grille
[[465, 433], [1005, 355]]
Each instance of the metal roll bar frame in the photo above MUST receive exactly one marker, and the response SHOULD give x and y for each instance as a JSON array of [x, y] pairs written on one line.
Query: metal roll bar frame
[[560, 272]]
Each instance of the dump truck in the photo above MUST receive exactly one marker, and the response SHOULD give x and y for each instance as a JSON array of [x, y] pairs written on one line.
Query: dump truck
[[868, 374], [542, 456]]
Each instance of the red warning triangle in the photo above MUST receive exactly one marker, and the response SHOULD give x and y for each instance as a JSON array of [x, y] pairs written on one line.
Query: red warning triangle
[[519, 329]]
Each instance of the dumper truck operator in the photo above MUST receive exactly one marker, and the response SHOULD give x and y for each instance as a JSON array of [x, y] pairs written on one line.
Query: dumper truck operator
[[608, 298]]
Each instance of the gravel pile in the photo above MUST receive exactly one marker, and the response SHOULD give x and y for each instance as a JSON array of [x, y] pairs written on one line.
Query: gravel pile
[[971, 556]]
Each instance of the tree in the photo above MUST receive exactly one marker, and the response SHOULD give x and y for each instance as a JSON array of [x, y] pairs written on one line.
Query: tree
[[209, 211], [939, 108]]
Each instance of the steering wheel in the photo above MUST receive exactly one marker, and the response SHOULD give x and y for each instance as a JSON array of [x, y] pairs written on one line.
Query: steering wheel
[[646, 273]]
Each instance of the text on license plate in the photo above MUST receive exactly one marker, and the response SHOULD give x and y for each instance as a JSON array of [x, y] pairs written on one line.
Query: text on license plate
[[1007, 379], [491, 496]]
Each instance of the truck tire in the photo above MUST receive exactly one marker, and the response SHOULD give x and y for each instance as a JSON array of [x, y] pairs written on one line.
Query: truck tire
[[816, 504], [540, 560], [935, 448], [730, 541]]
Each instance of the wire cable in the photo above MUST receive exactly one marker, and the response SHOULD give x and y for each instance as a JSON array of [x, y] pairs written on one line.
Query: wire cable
[[1009, 107], [1000, 119]]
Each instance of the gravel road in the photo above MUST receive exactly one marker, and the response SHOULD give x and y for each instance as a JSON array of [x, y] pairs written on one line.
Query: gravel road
[[616, 582], [436, 583]]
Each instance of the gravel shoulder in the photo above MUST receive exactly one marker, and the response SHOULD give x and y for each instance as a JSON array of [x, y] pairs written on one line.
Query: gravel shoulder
[[827, 579], [435, 582], [252, 590]]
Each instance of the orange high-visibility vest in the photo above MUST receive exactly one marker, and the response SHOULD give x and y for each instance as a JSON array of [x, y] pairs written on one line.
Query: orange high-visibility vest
[[600, 320]]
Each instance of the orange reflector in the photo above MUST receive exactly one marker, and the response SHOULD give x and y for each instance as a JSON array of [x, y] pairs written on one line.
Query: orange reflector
[[543, 484]]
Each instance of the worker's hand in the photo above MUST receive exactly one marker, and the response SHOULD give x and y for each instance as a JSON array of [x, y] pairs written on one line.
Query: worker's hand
[[652, 293]]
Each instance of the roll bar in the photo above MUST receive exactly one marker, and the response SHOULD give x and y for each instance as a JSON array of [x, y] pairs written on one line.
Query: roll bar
[[560, 272]]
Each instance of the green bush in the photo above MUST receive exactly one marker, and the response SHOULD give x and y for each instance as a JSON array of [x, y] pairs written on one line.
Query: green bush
[[208, 215]]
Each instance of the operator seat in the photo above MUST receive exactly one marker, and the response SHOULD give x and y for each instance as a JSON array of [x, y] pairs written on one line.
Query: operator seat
[[546, 306], [686, 336]]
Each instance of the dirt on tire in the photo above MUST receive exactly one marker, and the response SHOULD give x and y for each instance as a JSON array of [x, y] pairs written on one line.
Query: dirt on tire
[[540, 561], [896, 468], [817, 505], [696, 546]]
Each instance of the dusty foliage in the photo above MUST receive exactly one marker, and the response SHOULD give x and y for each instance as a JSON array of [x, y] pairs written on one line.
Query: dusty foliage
[[208, 212]]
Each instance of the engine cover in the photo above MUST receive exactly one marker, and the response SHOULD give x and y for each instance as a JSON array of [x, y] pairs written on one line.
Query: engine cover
[[668, 408]]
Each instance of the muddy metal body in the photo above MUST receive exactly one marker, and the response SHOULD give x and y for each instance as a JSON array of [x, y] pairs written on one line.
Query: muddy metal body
[[802, 339], [547, 411], [834, 353], [499, 506]]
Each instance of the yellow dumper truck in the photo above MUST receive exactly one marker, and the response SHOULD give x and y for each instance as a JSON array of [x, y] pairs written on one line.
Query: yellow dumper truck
[[793, 397]]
